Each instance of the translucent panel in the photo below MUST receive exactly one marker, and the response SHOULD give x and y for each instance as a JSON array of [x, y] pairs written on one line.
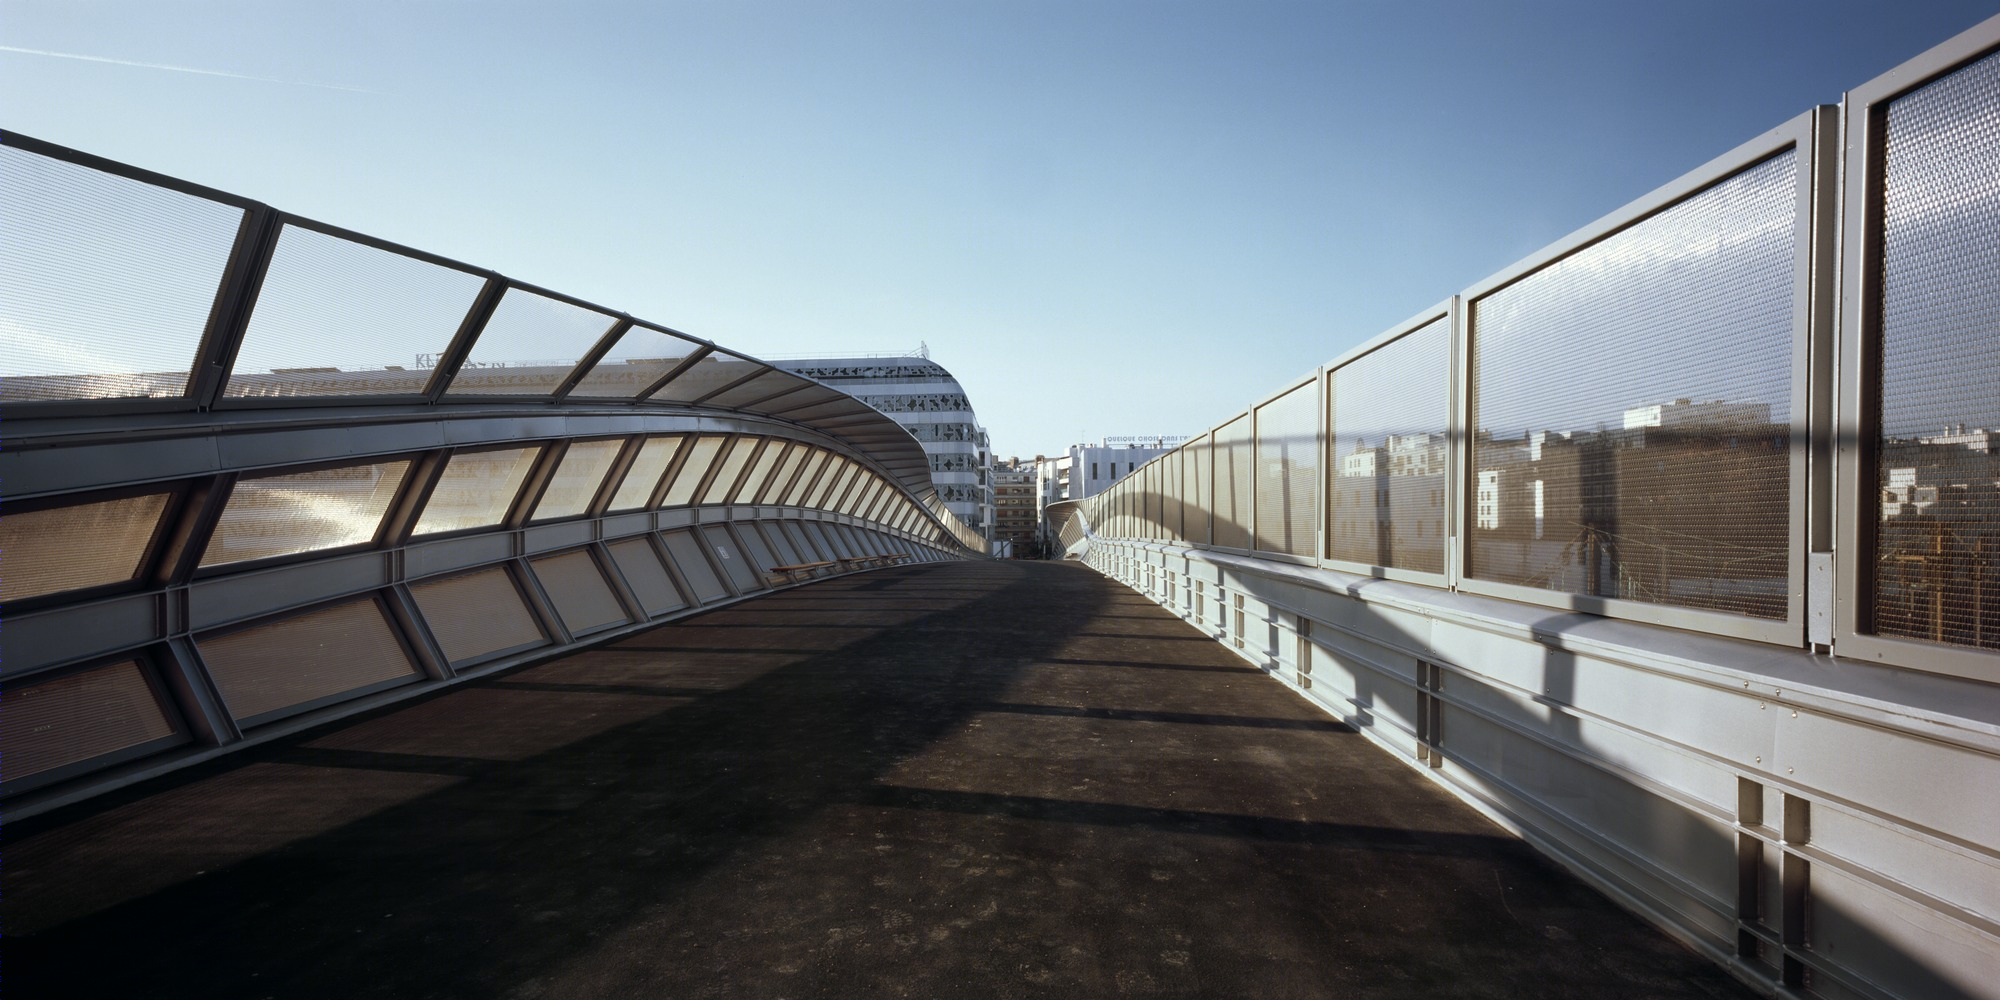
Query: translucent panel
[[794, 404], [760, 470], [531, 343], [304, 512], [1937, 555], [577, 478], [82, 545], [700, 456], [340, 318], [707, 375], [317, 655], [105, 283], [729, 469], [643, 477], [477, 489], [1194, 473], [79, 716], [1387, 414], [647, 577], [641, 357], [838, 484], [757, 388], [850, 502], [1172, 501], [871, 496], [688, 558], [577, 589], [1634, 407], [1232, 484], [780, 480], [815, 467], [476, 614]]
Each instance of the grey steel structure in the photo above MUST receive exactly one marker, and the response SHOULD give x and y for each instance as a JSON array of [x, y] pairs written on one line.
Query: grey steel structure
[[229, 516], [1675, 547]]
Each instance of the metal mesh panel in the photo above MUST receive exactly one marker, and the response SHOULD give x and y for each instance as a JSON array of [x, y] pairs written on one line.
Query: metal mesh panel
[[1937, 540], [1387, 414], [577, 478], [647, 577], [475, 614], [577, 589], [815, 467], [732, 559], [781, 479], [105, 283], [340, 318], [304, 512], [706, 376], [701, 455], [694, 567], [319, 654], [476, 489], [1195, 474], [531, 343], [79, 716], [1232, 484], [732, 465], [641, 357], [82, 545], [1288, 473], [1633, 408], [760, 470], [644, 474]]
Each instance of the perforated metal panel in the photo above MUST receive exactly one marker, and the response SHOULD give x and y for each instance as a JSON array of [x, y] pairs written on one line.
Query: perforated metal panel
[[476, 489], [529, 346], [577, 479], [694, 567], [641, 357], [731, 467], [1633, 407], [339, 318], [83, 545], [105, 283], [643, 477], [1288, 473], [266, 669], [477, 614], [577, 588], [304, 512], [1232, 484], [647, 577], [1937, 537], [732, 559], [1387, 414], [80, 716], [701, 455], [707, 375]]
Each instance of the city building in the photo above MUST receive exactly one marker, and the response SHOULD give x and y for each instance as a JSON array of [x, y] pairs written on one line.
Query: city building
[[1016, 512]]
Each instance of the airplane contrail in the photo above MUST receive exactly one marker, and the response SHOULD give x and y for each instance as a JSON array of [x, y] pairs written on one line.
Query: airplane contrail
[[182, 69]]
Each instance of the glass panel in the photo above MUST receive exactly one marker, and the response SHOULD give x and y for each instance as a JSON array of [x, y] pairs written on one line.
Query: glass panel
[[304, 512], [863, 495], [1386, 416], [644, 475], [837, 483], [476, 614], [1632, 436], [732, 467], [707, 375], [641, 357], [477, 489], [700, 456], [775, 487], [816, 464], [78, 716], [1232, 484], [1196, 474], [319, 654], [82, 545], [577, 478], [1937, 555], [109, 281], [798, 401], [757, 388], [339, 318], [760, 470], [529, 346]]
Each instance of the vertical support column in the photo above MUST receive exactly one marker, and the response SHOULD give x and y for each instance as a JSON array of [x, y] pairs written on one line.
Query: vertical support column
[[1749, 867], [1430, 715], [1795, 876], [1304, 659]]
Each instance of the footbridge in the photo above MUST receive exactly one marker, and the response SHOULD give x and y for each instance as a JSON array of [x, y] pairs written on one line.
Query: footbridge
[[1625, 624]]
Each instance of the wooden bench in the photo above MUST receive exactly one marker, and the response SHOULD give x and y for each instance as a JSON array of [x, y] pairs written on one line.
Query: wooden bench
[[792, 574]]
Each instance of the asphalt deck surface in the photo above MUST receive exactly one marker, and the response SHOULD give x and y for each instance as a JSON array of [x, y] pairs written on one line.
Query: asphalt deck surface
[[953, 780]]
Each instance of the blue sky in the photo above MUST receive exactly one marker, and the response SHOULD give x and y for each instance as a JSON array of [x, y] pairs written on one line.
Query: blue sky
[[1105, 217]]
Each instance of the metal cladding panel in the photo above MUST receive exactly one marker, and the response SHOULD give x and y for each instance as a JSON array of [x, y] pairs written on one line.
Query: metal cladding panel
[[577, 479], [477, 489], [577, 589], [643, 477], [80, 716], [1195, 477], [320, 291], [125, 269], [643, 572], [304, 512], [694, 566], [1387, 413], [829, 540], [1632, 407], [322, 653], [803, 542], [733, 560], [701, 455], [1937, 534], [1232, 484], [757, 551], [529, 346], [83, 545], [476, 614], [781, 546], [1288, 473], [641, 357]]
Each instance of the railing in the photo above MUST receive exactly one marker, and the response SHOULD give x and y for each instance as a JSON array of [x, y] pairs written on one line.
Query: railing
[[1676, 546]]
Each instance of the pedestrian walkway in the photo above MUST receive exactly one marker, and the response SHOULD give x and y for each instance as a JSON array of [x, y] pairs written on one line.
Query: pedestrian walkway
[[951, 780]]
